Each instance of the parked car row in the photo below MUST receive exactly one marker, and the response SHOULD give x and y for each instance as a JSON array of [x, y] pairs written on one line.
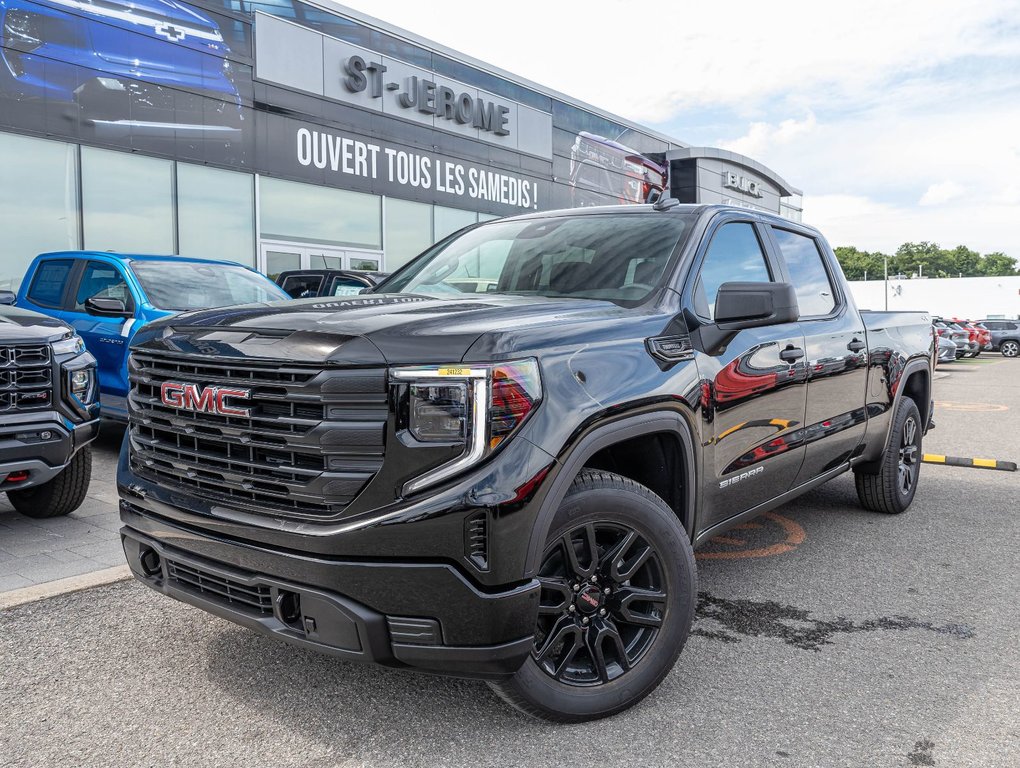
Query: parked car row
[[959, 338], [64, 353]]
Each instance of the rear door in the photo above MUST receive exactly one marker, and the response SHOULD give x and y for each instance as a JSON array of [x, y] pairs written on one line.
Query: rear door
[[48, 287], [105, 337], [836, 363], [753, 392]]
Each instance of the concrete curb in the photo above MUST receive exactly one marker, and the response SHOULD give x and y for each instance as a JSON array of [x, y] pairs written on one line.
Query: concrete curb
[[63, 586]]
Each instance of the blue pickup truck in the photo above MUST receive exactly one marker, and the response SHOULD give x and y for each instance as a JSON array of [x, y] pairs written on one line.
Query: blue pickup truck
[[107, 297]]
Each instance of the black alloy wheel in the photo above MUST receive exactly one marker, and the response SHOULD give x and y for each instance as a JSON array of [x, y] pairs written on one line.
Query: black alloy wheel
[[889, 484], [909, 456], [618, 589], [602, 603]]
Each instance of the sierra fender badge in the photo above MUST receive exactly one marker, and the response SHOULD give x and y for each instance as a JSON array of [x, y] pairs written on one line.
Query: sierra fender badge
[[742, 476]]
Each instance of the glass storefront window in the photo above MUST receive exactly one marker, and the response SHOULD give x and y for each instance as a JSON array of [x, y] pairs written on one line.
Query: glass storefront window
[[38, 202], [304, 212], [215, 214], [449, 220], [408, 231], [127, 202]]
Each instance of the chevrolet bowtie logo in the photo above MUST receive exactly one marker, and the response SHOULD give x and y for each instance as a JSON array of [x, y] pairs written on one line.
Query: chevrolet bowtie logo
[[170, 32]]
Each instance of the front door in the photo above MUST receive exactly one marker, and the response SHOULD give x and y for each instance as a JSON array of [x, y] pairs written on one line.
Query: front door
[[276, 257], [753, 391], [106, 338]]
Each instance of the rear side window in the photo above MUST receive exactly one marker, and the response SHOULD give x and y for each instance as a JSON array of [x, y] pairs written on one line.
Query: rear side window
[[734, 256], [47, 288], [815, 295], [302, 286]]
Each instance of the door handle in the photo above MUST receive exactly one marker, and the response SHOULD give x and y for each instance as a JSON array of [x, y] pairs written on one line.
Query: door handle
[[856, 345], [791, 354]]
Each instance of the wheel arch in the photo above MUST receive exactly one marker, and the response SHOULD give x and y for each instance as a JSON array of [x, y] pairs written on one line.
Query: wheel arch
[[598, 445], [915, 384]]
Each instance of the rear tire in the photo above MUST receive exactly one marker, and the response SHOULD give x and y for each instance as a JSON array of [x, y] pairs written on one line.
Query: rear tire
[[619, 589], [1010, 348], [61, 495], [892, 488]]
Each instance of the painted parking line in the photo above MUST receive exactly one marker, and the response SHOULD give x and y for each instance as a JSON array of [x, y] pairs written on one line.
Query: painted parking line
[[957, 461], [970, 407]]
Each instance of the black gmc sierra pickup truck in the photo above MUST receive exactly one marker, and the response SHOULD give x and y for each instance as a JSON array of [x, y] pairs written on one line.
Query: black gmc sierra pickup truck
[[48, 412], [509, 484]]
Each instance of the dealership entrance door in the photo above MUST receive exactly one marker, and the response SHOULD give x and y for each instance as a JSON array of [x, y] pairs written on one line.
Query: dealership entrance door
[[277, 256]]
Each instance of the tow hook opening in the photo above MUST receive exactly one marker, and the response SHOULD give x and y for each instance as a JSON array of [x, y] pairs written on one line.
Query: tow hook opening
[[289, 605], [150, 561]]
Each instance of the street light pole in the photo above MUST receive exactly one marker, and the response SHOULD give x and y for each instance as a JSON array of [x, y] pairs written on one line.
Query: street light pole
[[885, 269]]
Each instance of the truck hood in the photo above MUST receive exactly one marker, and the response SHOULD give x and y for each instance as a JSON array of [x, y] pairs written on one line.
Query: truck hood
[[20, 325], [394, 329]]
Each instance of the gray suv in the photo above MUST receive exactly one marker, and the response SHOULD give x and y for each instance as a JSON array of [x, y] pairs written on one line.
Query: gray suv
[[1005, 335]]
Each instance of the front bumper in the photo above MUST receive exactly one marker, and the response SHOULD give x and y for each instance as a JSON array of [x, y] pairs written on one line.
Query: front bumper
[[425, 616], [24, 445]]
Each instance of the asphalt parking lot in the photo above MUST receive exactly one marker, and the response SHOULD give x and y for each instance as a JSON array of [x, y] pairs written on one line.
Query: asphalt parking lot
[[826, 636]]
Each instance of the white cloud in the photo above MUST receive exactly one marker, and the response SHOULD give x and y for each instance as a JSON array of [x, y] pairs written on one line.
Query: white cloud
[[873, 106], [941, 193], [762, 136]]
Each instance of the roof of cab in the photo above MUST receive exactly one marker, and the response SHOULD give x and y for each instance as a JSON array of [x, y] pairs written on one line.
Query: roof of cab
[[135, 257]]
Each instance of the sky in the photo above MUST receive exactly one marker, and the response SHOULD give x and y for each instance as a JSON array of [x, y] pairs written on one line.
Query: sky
[[900, 121]]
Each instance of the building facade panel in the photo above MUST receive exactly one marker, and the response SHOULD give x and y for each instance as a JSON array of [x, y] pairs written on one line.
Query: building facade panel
[[182, 126]]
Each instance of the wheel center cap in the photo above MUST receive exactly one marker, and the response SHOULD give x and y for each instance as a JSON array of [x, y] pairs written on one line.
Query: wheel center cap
[[589, 600]]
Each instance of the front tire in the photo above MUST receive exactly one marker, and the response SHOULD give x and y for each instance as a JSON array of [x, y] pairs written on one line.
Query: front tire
[[892, 488], [61, 495], [1010, 348], [619, 589]]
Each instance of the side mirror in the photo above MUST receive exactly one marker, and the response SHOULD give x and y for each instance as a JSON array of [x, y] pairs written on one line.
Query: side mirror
[[8, 298], [101, 307], [753, 305]]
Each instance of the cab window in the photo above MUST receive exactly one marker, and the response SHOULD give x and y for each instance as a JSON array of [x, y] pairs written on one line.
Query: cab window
[[102, 281], [734, 255], [302, 286], [47, 289], [815, 295]]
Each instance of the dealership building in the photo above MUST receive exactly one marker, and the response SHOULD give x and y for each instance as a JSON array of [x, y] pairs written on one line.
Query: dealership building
[[283, 134]]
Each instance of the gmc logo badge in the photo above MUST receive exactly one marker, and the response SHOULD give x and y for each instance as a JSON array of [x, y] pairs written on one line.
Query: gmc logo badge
[[191, 397]]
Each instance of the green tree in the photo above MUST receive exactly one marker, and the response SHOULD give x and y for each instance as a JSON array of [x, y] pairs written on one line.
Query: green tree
[[857, 264], [997, 264]]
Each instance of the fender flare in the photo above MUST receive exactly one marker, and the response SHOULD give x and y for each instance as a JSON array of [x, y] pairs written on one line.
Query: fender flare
[[594, 441], [912, 367]]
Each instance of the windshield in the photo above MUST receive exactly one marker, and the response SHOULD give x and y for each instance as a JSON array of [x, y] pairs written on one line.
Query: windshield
[[182, 285], [618, 257]]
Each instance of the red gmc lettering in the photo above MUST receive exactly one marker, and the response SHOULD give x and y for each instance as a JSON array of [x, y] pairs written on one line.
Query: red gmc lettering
[[208, 400]]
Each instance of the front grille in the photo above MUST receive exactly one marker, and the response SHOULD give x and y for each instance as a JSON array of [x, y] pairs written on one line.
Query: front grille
[[26, 377], [256, 599], [312, 440]]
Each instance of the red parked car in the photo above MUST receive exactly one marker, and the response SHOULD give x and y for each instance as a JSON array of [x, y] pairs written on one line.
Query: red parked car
[[981, 336]]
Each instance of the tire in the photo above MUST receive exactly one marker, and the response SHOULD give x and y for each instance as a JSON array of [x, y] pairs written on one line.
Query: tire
[[1010, 348], [601, 649], [892, 488], [977, 354], [61, 495]]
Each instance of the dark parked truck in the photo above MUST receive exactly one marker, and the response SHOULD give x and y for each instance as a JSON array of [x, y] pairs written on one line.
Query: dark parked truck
[[49, 413], [510, 485]]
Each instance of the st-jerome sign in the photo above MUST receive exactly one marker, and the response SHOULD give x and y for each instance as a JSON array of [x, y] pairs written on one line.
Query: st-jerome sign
[[427, 96]]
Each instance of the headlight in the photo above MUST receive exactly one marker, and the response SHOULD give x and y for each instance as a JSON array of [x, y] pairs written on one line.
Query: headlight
[[81, 383], [479, 406], [72, 345]]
